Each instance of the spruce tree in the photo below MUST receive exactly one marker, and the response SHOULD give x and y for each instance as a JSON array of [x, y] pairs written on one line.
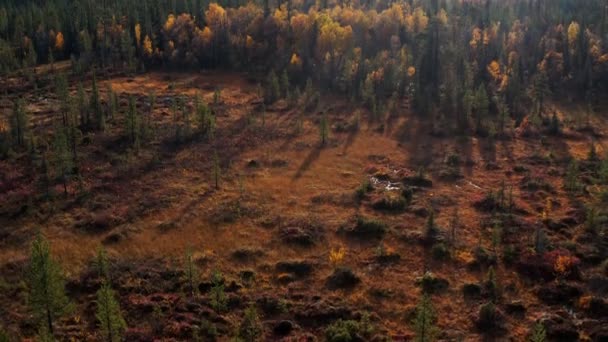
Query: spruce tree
[[284, 84], [82, 107], [132, 123], [62, 158], [540, 91], [63, 95], [95, 106], [250, 329], [273, 89], [102, 265], [424, 322], [324, 129], [19, 123], [108, 314], [538, 333], [47, 296], [219, 301], [216, 170], [190, 272], [203, 116], [482, 104]]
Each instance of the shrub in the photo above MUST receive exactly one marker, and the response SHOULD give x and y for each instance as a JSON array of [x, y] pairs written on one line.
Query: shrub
[[510, 254], [363, 189], [591, 221], [350, 330], [488, 317], [408, 194], [452, 159], [206, 331], [390, 203], [482, 257], [342, 331], [491, 285], [218, 300], [432, 284], [440, 251], [430, 229], [370, 227], [251, 328]]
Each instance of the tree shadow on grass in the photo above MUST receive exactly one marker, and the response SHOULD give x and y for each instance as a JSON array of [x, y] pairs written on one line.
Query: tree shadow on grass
[[311, 158]]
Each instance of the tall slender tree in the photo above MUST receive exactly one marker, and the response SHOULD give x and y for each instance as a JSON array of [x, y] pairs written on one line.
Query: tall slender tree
[[47, 296]]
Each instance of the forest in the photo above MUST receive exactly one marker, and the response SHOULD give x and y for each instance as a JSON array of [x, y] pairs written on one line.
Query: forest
[[298, 170]]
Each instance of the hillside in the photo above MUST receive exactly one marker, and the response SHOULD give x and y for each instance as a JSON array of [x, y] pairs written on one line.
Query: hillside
[[306, 231]]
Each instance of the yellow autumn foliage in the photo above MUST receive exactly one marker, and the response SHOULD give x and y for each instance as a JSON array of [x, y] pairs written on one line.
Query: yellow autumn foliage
[[169, 23], [494, 70], [147, 46], [417, 21], [59, 42], [336, 256], [574, 30], [138, 34]]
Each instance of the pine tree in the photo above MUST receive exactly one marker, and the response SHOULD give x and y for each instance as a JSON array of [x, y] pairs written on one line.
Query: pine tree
[[324, 129], [190, 272], [250, 329], [82, 107], [540, 240], [538, 333], [424, 322], [284, 84], [218, 298], [108, 314], [63, 95], [19, 124], [102, 265], [273, 90], [62, 159], [216, 170], [112, 102], [482, 104], [186, 119], [95, 106], [46, 285], [3, 335], [132, 123], [430, 229], [540, 91], [203, 116]]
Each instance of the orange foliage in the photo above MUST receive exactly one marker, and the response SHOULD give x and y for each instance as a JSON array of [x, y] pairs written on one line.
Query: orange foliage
[[147, 46], [138, 34], [417, 22], [59, 42], [494, 70]]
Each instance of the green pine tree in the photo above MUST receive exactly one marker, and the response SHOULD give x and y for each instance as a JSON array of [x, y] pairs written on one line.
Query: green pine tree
[[284, 84], [95, 106], [108, 314], [62, 157], [219, 301], [47, 297], [19, 124], [216, 170], [132, 123], [424, 322], [273, 89], [250, 329], [324, 129], [191, 273], [102, 264], [538, 333]]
